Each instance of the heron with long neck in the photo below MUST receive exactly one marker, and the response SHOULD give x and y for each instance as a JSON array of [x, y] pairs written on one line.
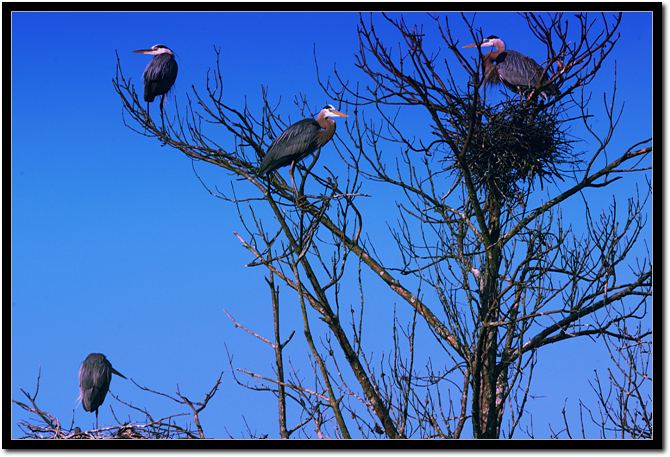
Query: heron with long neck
[[300, 140], [516, 71], [159, 75]]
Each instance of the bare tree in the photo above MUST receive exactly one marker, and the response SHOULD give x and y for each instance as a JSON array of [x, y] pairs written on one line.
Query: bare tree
[[511, 278], [491, 270], [493, 276]]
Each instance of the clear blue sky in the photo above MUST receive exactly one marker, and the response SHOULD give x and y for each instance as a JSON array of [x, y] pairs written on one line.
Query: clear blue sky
[[116, 247]]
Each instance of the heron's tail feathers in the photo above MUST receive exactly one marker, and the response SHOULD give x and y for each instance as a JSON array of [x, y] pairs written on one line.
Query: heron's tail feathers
[[265, 167], [149, 96]]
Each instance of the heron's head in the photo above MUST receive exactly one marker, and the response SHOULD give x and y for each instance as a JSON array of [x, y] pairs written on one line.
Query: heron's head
[[330, 111], [490, 41], [155, 50]]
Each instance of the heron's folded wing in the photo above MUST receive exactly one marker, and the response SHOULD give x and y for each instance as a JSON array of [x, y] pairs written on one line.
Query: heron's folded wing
[[518, 70], [159, 75], [294, 143]]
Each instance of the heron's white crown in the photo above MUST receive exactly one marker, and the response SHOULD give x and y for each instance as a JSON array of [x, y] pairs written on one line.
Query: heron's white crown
[[493, 42], [160, 49], [330, 111]]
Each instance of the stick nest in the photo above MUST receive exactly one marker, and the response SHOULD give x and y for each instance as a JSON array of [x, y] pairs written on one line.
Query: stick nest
[[514, 144]]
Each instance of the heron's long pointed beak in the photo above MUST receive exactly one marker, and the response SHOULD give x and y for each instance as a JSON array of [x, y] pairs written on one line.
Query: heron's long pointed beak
[[485, 44], [339, 113], [117, 373], [143, 51]]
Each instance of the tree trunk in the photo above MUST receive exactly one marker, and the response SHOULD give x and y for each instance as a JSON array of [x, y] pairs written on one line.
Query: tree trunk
[[484, 411]]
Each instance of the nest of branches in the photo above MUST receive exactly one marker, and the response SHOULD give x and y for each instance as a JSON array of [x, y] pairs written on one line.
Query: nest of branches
[[516, 143]]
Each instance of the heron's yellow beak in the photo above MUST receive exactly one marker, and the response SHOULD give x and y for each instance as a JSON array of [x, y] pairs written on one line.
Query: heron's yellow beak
[[473, 45], [143, 51], [339, 114]]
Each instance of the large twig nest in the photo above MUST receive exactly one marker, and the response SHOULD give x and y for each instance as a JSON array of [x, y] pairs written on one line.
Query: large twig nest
[[514, 144]]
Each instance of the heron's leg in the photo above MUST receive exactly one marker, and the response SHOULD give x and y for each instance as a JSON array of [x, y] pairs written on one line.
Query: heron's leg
[[299, 198], [147, 118], [162, 119], [96, 418], [290, 173], [163, 131]]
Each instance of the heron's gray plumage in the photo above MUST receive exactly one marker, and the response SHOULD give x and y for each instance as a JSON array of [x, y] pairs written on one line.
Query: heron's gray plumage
[[159, 76], [294, 144], [516, 71], [95, 375], [300, 140], [520, 72]]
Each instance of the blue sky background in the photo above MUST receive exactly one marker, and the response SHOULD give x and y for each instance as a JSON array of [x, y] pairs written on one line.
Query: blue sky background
[[117, 248]]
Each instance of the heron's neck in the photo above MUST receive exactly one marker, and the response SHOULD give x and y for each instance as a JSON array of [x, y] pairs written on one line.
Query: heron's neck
[[500, 48], [493, 55], [328, 126]]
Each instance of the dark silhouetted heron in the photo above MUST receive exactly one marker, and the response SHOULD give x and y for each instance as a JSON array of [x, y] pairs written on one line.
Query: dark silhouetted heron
[[160, 74], [95, 374], [300, 140], [516, 71]]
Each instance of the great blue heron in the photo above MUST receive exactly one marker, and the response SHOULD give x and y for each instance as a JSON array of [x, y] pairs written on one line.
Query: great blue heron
[[160, 74], [95, 374], [300, 140], [516, 71]]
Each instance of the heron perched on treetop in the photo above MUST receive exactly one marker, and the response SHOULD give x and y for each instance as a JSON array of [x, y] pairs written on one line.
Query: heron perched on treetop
[[160, 74], [516, 71], [300, 140], [95, 374]]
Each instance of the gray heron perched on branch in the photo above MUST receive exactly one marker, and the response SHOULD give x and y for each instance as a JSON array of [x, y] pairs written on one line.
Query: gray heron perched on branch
[[300, 140], [95, 375], [159, 75], [516, 71]]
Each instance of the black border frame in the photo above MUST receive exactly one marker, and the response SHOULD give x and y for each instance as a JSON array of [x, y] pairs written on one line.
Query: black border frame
[[250, 444]]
